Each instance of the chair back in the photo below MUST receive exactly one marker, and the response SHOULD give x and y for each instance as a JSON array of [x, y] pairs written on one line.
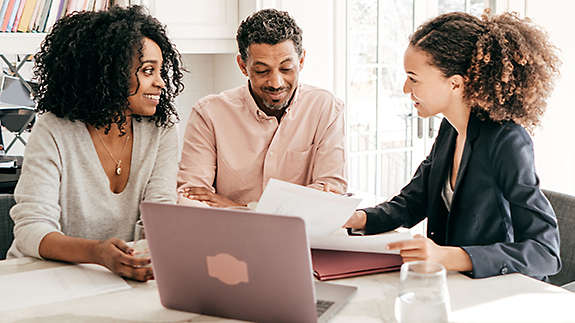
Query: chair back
[[6, 223], [564, 207]]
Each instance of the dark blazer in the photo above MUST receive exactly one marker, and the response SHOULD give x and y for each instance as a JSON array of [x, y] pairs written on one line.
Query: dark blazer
[[499, 216]]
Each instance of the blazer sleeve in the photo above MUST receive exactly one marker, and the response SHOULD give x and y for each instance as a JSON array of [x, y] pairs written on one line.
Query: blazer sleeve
[[535, 249], [408, 207]]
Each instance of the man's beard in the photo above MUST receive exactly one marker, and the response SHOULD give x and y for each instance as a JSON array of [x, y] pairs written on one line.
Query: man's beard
[[276, 107]]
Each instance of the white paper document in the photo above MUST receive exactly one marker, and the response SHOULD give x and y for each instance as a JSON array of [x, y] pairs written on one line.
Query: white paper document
[[371, 243], [324, 214], [45, 286]]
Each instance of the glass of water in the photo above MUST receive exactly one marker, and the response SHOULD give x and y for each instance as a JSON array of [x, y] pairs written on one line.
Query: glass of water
[[423, 295], [140, 243]]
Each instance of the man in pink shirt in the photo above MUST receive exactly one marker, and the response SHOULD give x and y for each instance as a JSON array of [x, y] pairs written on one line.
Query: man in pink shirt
[[272, 127]]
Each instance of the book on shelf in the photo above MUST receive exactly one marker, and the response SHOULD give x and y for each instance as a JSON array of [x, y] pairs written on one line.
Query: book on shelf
[[12, 14], [27, 12], [44, 16], [18, 16], [3, 8], [35, 14], [53, 14], [41, 15], [61, 9]]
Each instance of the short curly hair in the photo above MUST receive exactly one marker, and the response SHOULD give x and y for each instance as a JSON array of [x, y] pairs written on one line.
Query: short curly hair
[[84, 65], [508, 63], [268, 26]]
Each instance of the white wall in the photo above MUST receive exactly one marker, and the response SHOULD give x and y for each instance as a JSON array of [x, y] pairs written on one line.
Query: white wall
[[316, 19], [207, 74], [554, 149]]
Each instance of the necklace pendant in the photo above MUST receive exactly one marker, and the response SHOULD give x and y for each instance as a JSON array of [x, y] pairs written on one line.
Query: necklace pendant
[[119, 167]]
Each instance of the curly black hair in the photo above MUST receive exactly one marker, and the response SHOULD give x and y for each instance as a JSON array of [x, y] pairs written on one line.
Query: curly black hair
[[84, 65], [508, 64], [268, 26]]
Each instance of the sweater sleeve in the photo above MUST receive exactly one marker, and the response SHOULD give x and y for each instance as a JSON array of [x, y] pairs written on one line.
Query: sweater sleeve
[[37, 210], [161, 186]]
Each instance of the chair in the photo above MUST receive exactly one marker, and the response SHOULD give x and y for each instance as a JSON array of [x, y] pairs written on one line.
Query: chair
[[6, 223], [564, 207]]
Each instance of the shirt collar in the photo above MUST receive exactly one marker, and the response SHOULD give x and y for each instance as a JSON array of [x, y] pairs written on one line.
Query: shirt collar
[[255, 110]]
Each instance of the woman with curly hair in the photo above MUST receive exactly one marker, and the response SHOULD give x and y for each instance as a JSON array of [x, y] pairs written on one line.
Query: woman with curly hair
[[478, 187], [105, 140]]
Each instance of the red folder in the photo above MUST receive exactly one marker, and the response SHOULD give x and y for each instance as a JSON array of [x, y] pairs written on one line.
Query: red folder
[[335, 264]]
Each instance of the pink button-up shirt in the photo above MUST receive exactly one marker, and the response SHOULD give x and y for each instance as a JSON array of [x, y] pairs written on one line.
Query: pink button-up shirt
[[234, 148]]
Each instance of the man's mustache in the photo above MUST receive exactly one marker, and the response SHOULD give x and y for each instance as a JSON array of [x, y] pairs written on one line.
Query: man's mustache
[[273, 89]]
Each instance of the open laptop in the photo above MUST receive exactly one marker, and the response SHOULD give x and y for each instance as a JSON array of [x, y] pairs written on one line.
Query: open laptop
[[237, 264]]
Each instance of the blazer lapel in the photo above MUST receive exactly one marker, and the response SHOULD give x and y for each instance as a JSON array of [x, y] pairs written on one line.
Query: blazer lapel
[[441, 165], [472, 134]]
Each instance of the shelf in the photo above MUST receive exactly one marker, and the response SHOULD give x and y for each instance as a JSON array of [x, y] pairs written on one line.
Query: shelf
[[20, 43], [206, 46], [29, 43]]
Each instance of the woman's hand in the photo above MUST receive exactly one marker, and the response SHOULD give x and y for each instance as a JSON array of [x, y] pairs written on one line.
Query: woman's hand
[[422, 248], [116, 255], [356, 221]]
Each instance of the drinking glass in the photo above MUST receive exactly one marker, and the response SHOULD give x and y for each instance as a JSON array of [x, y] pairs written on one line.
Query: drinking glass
[[140, 243], [423, 295]]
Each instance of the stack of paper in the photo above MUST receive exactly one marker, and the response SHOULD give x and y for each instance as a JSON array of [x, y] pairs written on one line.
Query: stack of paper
[[324, 214], [59, 284]]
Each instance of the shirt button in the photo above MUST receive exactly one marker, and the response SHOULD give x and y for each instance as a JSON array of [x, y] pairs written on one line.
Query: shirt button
[[504, 270], [432, 233]]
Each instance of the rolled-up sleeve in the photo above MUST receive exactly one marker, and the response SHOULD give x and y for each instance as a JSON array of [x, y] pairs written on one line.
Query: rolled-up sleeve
[[330, 158], [198, 164]]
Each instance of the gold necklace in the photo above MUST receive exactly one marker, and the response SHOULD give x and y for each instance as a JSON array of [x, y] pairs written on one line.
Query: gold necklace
[[118, 170]]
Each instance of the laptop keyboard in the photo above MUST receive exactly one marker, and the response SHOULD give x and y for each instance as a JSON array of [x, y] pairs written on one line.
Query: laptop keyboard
[[322, 306]]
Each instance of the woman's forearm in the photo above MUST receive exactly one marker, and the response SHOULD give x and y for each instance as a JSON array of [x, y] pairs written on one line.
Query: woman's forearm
[[57, 246], [457, 259]]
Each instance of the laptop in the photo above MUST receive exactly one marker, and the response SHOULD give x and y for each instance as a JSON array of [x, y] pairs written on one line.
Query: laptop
[[237, 264]]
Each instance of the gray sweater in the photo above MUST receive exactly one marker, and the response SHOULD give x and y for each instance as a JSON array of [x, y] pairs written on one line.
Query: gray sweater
[[63, 187]]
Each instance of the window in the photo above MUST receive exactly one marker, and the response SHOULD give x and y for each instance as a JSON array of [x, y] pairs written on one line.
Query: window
[[386, 139]]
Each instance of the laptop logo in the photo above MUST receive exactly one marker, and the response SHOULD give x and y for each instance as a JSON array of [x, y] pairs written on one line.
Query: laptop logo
[[227, 269]]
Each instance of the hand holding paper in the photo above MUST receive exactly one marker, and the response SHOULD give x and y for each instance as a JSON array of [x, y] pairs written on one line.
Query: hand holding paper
[[324, 213]]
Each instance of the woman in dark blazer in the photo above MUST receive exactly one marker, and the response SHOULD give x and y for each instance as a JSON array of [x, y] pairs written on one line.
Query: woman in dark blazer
[[478, 187]]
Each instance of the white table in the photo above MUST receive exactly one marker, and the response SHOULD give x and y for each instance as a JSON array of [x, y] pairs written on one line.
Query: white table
[[510, 298]]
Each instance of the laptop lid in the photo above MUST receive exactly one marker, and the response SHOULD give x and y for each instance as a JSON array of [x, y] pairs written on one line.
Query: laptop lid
[[231, 263]]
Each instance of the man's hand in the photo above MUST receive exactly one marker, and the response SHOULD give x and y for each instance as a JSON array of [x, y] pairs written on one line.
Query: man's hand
[[422, 248], [356, 221], [326, 188], [117, 256], [203, 194]]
